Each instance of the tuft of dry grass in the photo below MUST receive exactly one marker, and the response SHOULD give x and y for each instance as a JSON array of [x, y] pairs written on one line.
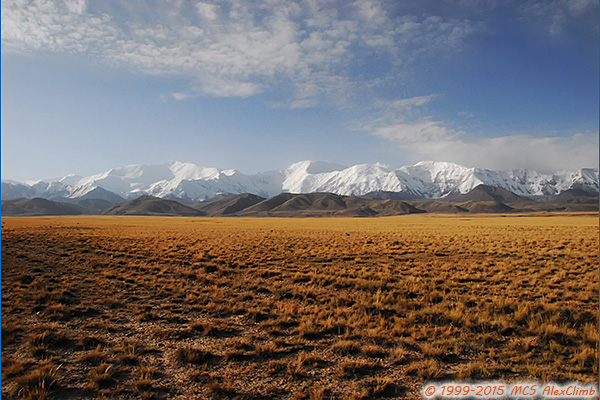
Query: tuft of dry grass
[[426, 369], [37, 384], [93, 357], [102, 376], [353, 369], [345, 347], [188, 355], [374, 351]]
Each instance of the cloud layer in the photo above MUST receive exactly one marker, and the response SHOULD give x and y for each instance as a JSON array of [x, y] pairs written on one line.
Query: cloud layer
[[234, 48], [425, 138]]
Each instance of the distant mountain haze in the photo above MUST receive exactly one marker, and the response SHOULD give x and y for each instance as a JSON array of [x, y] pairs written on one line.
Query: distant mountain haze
[[188, 183]]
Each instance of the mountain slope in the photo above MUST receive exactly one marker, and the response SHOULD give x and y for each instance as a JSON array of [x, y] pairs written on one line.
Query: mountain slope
[[15, 190], [150, 205], [576, 195], [326, 204], [228, 205], [37, 206], [486, 207], [99, 193], [94, 206], [487, 193]]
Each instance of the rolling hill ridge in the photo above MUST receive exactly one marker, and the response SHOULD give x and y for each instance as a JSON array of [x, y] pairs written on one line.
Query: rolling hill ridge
[[482, 199]]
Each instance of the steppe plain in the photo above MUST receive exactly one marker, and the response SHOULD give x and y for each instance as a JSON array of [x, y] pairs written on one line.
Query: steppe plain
[[303, 308]]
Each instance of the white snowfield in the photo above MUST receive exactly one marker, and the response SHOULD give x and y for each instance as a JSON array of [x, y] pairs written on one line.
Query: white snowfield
[[427, 179]]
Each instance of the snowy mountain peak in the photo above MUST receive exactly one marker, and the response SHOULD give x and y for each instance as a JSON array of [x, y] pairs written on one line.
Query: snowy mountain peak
[[430, 164], [70, 179], [191, 171], [314, 176], [314, 167], [438, 169], [190, 182]]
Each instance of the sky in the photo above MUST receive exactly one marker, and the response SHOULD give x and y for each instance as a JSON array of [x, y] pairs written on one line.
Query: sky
[[258, 85]]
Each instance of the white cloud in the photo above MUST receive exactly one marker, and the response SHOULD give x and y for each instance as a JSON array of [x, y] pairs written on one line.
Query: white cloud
[[579, 7], [466, 114], [544, 154], [224, 88], [372, 11], [180, 96], [557, 15], [420, 137], [558, 21], [209, 11], [413, 101], [400, 119], [233, 48], [424, 130], [303, 103], [76, 6], [426, 139]]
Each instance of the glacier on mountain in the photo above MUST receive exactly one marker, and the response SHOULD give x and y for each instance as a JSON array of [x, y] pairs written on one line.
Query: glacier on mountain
[[190, 182]]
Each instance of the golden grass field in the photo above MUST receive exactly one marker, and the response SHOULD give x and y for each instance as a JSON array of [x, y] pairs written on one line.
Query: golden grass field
[[329, 308]]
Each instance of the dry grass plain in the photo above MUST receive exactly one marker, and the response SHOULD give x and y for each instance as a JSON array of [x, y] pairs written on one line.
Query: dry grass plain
[[330, 308]]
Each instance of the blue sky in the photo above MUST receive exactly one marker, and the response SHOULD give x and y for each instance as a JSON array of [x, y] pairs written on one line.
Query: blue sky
[[258, 85]]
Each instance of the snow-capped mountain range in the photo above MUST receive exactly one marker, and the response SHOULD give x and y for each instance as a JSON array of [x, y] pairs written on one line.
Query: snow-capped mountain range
[[190, 182]]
